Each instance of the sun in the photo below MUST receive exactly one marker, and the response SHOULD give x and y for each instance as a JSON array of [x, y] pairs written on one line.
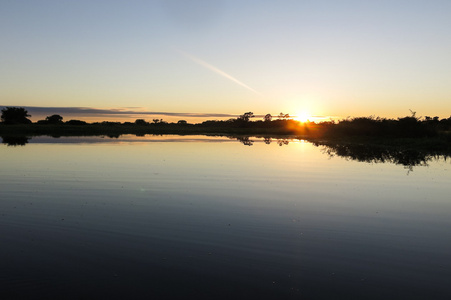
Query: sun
[[302, 117]]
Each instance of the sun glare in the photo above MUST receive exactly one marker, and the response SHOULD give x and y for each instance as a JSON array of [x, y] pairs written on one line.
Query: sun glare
[[302, 117]]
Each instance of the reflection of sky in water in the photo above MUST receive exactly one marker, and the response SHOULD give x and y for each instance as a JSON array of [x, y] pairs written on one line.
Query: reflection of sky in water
[[223, 213]]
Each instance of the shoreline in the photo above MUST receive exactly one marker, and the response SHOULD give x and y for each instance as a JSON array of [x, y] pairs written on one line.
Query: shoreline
[[440, 142]]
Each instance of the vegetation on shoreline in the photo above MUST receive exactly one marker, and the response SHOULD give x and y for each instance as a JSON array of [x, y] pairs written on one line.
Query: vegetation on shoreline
[[426, 132]]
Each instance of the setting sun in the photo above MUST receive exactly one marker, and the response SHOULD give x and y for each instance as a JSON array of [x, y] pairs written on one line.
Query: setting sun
[[302, 117]]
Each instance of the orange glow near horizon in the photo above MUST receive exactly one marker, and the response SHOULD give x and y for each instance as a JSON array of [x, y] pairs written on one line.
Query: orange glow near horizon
[[303, 117]]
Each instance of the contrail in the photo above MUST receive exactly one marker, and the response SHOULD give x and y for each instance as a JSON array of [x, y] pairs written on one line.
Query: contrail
[[216, 70]]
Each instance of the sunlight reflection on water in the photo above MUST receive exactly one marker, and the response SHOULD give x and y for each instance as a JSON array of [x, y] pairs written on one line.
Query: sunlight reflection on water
[[216, 218]]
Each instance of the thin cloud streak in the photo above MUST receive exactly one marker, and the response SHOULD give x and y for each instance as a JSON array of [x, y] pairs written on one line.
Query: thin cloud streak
[[127, 112], [88, 111], [216, 70]]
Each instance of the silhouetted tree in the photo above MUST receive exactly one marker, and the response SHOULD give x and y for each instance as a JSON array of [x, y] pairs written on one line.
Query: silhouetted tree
[[15, 115], [182, 122], [54, 119], [246, 116], [140, 122], [283, 116], [267, 118]]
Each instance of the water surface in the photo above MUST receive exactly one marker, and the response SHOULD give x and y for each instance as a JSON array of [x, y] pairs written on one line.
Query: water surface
[[209, 217]]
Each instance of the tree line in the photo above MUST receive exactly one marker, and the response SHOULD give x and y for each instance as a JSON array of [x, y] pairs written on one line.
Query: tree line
[[19, 115], [409, 127]]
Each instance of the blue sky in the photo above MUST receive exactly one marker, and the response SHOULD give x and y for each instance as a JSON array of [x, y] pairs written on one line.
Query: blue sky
[[327, 58]]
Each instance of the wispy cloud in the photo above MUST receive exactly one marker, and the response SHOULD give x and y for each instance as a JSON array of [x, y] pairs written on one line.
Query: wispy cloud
[[130, 112], [216, 70], [89, 111]]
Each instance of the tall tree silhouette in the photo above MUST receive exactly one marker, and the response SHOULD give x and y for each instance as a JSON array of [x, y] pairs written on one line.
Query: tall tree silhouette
[[246, 116], [15, 115], [267, 118]]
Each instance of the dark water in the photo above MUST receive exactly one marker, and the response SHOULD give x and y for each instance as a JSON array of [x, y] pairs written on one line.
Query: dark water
[[203, 217]]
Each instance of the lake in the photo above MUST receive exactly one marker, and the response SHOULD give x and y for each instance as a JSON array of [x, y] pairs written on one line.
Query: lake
[[171, 217]]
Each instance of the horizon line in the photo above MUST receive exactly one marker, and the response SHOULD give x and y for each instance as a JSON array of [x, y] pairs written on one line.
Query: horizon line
[[126, 111]]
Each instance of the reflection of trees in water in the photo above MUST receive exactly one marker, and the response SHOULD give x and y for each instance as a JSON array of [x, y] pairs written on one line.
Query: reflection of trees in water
[[282, 142], [359, 152], [246, 140], [15, 140], [408, 157], [375, 154]]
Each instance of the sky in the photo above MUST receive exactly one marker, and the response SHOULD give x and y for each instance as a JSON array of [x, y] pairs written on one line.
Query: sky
[[207, 59]]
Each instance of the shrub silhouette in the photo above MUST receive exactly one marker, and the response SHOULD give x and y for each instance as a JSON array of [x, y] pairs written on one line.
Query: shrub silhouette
[[140, 122], [15, 115], [76, 122], [54, 119]]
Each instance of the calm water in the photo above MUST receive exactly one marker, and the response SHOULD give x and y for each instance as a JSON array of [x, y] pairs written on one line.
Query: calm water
[[205, 217]]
